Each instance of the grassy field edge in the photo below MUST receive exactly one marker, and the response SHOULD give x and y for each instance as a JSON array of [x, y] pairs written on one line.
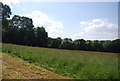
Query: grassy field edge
[[76, 64]]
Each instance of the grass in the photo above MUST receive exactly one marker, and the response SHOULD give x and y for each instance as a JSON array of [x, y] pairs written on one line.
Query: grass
[[72, 63]]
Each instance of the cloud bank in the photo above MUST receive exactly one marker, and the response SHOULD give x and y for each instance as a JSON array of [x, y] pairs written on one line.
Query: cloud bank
[[98, 29]]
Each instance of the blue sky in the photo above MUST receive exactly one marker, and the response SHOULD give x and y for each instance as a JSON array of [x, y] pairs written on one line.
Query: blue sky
[[76, 20]]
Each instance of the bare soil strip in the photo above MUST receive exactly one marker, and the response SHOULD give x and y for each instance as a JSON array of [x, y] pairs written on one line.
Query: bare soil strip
[[15, 68]]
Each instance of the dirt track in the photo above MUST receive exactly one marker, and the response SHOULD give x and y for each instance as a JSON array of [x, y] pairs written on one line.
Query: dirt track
[[15, 68]]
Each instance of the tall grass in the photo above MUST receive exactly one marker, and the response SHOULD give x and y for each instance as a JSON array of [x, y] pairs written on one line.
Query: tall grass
[[76, 64]]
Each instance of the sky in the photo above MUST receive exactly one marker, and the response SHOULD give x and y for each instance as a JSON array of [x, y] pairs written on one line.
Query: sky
[[76, 20]]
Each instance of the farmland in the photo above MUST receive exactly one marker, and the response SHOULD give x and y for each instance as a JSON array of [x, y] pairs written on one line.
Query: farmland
[[72, 63], [16, 68]]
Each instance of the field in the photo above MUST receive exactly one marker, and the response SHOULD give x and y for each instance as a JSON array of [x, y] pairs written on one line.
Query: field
[[16, 68], [71, 63]]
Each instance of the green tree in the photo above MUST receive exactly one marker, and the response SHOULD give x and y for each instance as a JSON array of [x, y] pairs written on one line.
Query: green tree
[[107, 45], [98, 45], [41, 36], [55, 43], [67, 43], [5, 13], [25, 26], [115, 46], [11, 35], [80, 44], [89, 46]]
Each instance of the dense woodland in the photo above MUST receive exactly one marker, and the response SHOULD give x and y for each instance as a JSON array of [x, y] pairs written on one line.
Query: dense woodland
[[20, 30]]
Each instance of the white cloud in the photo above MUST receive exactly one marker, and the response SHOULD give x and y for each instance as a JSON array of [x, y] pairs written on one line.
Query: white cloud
[[82, 35], [98, 29], [11, 3], [54, 28]]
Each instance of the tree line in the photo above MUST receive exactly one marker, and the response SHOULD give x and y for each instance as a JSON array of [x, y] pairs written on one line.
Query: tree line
[[20, 30]]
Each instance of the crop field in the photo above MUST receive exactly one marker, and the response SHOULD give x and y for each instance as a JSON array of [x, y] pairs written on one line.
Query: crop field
[[72, 63]]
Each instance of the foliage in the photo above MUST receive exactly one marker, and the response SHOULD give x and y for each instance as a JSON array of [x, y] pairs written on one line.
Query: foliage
[[6, 11], [67, 43], [41, 36], [80, 44], [54, 43]]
